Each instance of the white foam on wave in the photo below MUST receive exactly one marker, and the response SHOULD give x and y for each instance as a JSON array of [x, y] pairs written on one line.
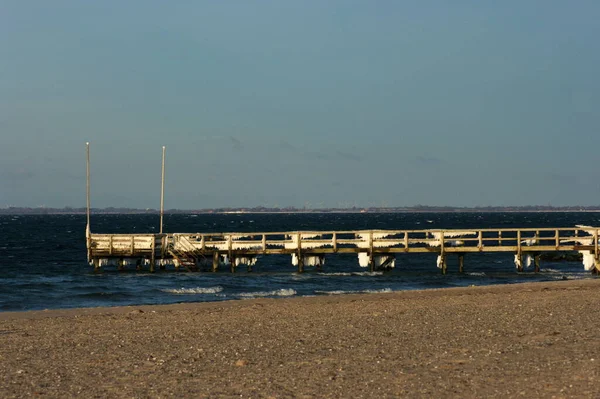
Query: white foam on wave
[[196, 290], [477, 274], [337, 274], [260, 294], [342, 292], [547, 270]]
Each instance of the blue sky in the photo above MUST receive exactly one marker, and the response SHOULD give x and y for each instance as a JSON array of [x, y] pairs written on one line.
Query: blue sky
[[300, 103]]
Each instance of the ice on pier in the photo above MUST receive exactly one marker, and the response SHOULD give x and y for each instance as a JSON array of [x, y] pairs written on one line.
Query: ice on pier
[[378, 260], [246, 245], [245, 260], [363, 259], [436, 238], [527, 261], [304, 244], [309, 260], [439, 261], [529, 241], [588, 260], [376, 240]]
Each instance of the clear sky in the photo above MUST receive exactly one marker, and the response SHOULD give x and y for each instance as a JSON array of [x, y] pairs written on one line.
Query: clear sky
[[300, 103]]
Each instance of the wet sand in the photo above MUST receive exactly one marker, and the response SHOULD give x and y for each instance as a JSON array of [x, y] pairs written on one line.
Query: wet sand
[[530, 340]]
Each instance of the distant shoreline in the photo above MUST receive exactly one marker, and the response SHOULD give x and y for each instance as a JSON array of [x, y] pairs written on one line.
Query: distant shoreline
[[226, 211]]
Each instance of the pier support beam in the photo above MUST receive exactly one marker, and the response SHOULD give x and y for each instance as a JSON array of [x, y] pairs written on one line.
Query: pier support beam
[[215, 261], [232, 263], [536, 260], [96, 263], [121, 264], [461, 263], [300, 262], [441, 263]]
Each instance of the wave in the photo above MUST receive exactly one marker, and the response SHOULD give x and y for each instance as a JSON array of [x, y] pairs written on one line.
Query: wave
[[260, 294], [352, 274], [196, 290], [342, 292], [476, 274]]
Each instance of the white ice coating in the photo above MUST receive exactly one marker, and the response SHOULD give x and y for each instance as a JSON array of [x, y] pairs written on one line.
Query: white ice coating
[[528, 260], [378, 260], [437, 238], [309, 260], [439, 261], [363, 259], [306, 244], [248, 246], [245, 260], [588, 260], [529, 241], [365, 242]]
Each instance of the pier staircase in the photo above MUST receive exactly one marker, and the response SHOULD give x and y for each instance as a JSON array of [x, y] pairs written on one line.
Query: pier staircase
[[185, 253], [184, 259]]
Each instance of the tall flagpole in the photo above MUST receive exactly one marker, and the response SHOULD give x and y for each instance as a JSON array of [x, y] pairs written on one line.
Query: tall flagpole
[[87, 147], [162, 190], [88, 232]]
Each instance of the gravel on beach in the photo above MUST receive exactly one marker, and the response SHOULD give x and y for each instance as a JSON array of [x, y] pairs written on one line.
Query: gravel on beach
[[520, 340]]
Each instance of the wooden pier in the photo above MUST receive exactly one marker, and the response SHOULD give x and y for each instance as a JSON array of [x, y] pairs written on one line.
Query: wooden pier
[[376, 249]]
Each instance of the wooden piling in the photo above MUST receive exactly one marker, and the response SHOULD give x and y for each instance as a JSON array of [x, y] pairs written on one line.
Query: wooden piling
[[215, 262], [461, 263], [536, 260], [153, 255], [444, 264], [300, 256]]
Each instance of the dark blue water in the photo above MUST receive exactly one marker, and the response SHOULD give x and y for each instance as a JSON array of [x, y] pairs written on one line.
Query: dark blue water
[[43, 259]]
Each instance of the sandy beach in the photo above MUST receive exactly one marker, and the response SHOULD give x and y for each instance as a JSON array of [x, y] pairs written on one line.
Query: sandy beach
[[529, 340]]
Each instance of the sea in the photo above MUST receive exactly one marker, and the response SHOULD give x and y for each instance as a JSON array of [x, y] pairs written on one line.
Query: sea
[[43, 259]]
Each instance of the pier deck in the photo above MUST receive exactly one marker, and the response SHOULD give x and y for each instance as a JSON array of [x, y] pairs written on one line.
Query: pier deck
[[375, 248]]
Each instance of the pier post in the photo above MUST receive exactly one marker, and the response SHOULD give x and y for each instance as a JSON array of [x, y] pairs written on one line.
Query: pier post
[[96, 263], [121, 265], [232, 263], [215, 261], [536, 260], [371, 254], [444, 264], [520, 265], [300, 263], [461, 263], [153, 255], [300, 257]]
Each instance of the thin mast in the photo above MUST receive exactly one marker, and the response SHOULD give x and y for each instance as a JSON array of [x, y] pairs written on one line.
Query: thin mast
[[87, 148], [162, 191]]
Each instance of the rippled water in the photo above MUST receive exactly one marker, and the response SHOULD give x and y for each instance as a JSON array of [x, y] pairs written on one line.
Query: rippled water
[[43, 259]]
